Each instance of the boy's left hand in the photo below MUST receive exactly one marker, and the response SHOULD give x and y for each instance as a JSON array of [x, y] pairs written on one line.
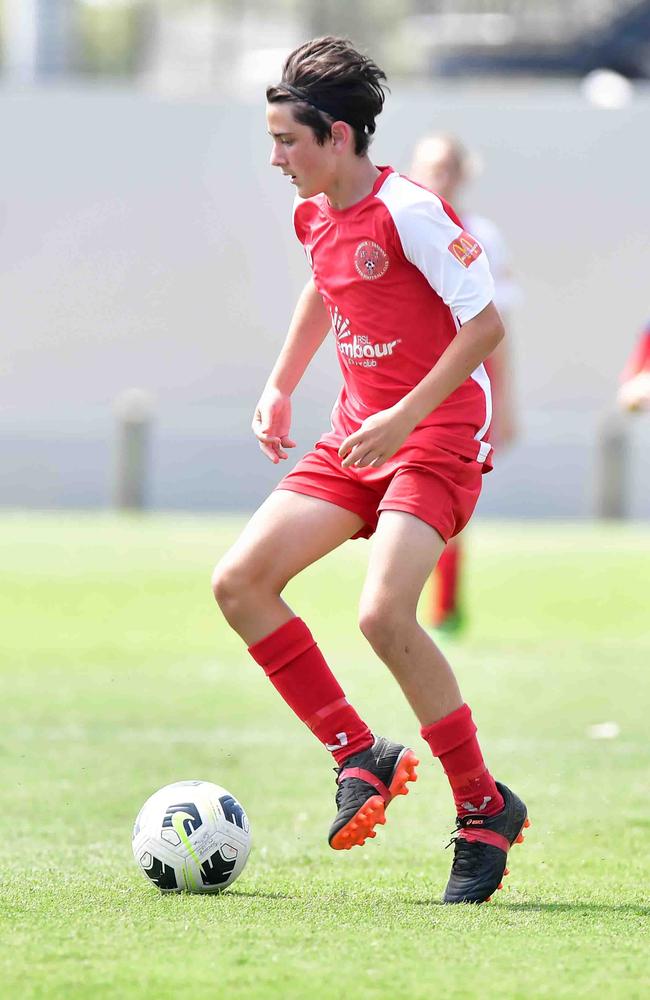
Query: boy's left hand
[[377, 440]]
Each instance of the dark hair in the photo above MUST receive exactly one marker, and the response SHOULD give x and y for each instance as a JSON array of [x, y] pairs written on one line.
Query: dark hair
[[330, 81]]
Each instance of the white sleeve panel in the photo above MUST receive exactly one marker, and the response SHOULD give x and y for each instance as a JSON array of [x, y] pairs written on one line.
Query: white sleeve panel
[[426, 233]]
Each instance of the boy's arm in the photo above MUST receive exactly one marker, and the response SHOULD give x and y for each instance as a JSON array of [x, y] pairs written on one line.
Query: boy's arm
[[473, 343], [456, 267], [503, 430], [382, 434], [308, 328]]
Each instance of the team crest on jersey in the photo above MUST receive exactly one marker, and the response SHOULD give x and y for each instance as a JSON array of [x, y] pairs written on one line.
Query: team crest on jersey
[[371, 260], [465, 249]]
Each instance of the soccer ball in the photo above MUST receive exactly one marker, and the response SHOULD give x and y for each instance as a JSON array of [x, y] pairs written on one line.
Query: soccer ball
[[192, 836]]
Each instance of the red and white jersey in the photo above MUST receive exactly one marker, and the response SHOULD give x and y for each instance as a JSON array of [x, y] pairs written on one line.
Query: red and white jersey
[[639, 360], [399, 276]]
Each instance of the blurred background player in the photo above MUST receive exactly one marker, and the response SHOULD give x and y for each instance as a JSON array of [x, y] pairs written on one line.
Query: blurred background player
[[634, 393], [442, 164]]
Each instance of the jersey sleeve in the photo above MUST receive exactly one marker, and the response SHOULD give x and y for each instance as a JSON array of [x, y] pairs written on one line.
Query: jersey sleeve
[[452, 260], [299, 219], [303, 215]]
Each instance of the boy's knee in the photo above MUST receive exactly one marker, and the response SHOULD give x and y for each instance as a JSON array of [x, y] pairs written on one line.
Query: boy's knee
[[377, 625], [229, 583], [384, 623], [241, 584]]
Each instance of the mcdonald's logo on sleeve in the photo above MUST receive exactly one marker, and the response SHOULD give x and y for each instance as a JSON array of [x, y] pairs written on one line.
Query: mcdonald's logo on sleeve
[[465, 249]]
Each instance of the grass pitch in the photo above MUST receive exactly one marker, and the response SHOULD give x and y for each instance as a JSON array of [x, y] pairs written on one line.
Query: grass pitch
[[118, 676]]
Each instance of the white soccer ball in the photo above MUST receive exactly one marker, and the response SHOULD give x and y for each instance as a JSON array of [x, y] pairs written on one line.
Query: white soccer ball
[[192, 836]]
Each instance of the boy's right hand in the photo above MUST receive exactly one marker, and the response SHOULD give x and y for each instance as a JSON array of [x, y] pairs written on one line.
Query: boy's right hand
[[271, 424]]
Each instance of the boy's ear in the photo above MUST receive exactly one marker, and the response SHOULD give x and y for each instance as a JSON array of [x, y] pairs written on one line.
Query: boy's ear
[[341, 134]]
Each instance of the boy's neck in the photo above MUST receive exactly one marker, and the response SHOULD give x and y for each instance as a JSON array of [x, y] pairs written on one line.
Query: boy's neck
[[353, 186]]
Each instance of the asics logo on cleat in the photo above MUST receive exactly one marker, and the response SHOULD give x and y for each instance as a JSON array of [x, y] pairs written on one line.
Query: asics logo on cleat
[[479, 864]]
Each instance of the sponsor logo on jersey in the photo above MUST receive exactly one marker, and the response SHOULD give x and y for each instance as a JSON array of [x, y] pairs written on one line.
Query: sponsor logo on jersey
[[340, 324], [465, 249], [371, 260], [358, 349], [362, 347]]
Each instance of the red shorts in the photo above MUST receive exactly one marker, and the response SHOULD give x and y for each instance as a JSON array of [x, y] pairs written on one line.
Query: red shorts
[[437, 486]]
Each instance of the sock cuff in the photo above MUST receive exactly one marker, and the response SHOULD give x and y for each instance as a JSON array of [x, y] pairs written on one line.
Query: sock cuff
[[280, 647], [449, 732]]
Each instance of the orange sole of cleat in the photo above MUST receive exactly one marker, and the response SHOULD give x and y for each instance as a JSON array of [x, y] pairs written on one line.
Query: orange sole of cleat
[[518, 840], [372, 812]]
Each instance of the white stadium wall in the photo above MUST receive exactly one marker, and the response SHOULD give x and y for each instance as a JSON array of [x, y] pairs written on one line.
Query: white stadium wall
[[148, 243]]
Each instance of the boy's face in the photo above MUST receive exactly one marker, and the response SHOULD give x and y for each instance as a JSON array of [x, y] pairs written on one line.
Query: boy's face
[[311, 167]]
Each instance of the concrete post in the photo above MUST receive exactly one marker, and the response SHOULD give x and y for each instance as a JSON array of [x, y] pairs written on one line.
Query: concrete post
[[134, 410], [37, 39], [612, 487]]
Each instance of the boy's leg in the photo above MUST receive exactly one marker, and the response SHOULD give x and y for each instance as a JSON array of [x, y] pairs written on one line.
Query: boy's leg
[[288, 533], [404, 552]]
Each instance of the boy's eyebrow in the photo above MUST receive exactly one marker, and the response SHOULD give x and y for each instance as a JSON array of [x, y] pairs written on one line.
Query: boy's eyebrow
[[279, 135]]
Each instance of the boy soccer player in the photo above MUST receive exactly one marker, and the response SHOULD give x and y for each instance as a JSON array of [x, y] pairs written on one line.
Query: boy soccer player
[[407, 293]]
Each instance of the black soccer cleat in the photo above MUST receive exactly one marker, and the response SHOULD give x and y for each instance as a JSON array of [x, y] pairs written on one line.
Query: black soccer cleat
[[367, 782], [478, 868]]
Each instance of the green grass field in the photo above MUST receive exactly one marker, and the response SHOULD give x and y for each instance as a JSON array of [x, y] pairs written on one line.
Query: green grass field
[[118, 676]]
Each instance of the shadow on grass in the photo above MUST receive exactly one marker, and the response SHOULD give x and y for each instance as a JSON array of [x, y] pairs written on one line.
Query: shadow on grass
[[628, 909], [501, 902], [257, 894]]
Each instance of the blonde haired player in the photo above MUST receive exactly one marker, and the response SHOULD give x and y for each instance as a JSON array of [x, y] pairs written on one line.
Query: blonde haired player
[[442, 164]]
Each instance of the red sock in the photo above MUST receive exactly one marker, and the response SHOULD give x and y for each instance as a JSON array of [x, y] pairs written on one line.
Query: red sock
[[453, 740], [297, 669], [446, 582]]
